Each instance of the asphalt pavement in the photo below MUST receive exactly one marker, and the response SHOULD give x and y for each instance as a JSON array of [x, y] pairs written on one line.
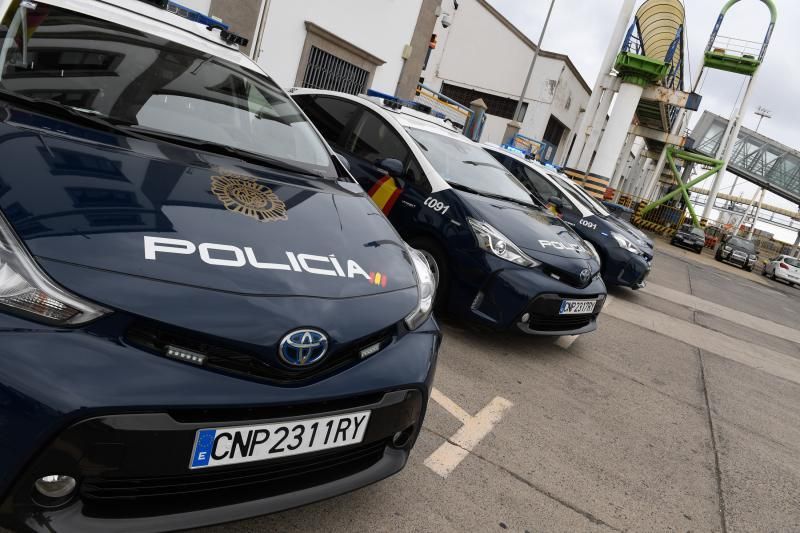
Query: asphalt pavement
[[681, 413]]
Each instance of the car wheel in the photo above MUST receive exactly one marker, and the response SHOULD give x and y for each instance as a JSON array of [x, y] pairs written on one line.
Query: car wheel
[[437, 261], [749, 269], [699, 251], [718, 257], [764, 272]]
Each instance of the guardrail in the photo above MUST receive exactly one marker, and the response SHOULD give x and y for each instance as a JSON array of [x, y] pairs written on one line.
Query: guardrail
[[440, 103]]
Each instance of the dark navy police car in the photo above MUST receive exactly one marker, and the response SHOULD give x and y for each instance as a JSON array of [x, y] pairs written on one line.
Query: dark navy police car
[[203, 317], [624, 252], [501, 261]]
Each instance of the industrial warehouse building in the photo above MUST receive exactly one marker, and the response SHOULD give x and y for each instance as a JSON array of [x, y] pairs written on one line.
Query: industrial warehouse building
[[465, 66], [348, 46]]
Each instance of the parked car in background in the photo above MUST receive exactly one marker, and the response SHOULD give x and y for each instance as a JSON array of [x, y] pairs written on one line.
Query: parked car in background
[[204, 317], [738, 251], [501, 261], [625, 258], [784, 268], [690, 237]]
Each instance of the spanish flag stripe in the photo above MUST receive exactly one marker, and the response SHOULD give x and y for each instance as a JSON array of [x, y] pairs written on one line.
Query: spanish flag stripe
[[385, 193], [390, 203], [378, 185]]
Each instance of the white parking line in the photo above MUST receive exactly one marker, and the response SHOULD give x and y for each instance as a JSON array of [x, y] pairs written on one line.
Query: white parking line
[[450, 454], [746, 353], [731, 315], [566, 341], [450, 406]]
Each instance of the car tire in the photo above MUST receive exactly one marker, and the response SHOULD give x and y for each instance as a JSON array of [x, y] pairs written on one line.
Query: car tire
[[764, 272], [437, 260], [699, 251], [718, 257], [748, 269]]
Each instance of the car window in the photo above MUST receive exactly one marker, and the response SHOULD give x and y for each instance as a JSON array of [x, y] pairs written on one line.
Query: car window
[[541, 187], [582, 195], [373, 139], [697, 231], [331, 116], [792, 261], [416, 176]]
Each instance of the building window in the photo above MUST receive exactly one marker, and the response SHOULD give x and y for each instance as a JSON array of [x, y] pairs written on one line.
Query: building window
[[327, 72], [331, 63], [497, 105], [554, 131]]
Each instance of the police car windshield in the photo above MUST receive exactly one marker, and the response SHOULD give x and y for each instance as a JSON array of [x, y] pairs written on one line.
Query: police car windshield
[[469, 166], [152, 84]]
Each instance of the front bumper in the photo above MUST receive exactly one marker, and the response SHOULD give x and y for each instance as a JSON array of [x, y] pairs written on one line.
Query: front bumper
[[625, 269], [123, 422], [683, 243], [508, 294], [745, 262]]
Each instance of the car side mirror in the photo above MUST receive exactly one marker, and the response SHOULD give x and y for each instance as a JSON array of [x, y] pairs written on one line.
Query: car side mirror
[[393, 167], [343, 160]]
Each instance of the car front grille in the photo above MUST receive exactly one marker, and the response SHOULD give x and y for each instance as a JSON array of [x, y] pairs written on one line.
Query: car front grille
[[559, 323], [251, 362], [151, 496]]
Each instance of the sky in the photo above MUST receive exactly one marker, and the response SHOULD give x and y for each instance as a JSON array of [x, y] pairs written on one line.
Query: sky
[[582, 30]]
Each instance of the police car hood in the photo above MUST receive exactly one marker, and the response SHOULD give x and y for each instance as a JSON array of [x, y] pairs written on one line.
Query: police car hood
[[169, 214], [534, 230]]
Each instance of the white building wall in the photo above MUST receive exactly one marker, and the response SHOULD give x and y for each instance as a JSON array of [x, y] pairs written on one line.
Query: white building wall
[[498, 65], [381, 27]]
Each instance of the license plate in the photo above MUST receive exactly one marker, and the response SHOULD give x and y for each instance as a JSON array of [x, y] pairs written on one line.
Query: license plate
[[244, 444], [577, 307]]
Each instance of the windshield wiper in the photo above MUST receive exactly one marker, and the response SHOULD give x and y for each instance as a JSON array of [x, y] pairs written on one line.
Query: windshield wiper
[[467, 188], [51, 107]]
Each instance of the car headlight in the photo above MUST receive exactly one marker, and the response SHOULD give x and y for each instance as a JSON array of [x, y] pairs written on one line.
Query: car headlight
[[753, 257], [27, 290], [625, 243], [726, 248], [426, 290], [494, 242]]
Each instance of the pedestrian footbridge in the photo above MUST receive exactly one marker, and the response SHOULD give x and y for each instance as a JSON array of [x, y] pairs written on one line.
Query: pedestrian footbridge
[[756, 158]]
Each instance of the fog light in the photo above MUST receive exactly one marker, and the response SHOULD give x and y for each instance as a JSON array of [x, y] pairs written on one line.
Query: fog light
[[369, 350], [401, 438], [182, 354], [55, 486], [526, 317]]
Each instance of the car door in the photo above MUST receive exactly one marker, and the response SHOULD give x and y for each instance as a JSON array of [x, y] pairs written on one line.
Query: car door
[[379, 157]]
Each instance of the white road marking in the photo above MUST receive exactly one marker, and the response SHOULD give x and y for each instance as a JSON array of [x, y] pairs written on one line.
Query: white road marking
[[566, 341], [450, 406], [731, 315], [450, 454], [746, 353]]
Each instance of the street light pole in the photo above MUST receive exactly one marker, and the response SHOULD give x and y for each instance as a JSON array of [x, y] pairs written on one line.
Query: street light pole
[[515, 125]]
